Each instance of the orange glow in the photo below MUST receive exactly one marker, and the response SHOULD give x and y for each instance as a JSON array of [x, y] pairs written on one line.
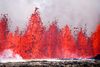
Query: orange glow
[[39, 42]]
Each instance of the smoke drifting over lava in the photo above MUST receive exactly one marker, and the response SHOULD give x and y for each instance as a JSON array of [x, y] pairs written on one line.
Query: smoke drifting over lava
[[71, 12]]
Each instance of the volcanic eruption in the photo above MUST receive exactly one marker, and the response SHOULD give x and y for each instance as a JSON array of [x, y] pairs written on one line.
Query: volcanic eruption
[[40, 42]]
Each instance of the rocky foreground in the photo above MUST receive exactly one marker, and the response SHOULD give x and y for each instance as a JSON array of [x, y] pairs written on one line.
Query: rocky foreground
[[52, 63]]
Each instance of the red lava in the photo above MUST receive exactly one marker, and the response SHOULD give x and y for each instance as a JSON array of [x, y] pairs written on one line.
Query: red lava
[[39, 42]]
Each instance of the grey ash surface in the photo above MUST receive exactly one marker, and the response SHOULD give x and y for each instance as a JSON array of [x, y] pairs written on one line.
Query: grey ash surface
[[62, 63]]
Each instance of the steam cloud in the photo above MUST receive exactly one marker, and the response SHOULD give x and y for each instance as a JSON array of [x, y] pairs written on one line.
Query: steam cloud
[[71, 12], [8, 56]]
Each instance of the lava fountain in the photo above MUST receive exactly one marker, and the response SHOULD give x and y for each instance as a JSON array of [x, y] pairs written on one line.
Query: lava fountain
[[38, 42]]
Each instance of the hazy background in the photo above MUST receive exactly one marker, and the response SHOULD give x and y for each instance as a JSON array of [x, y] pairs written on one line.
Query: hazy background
[[71, 12]]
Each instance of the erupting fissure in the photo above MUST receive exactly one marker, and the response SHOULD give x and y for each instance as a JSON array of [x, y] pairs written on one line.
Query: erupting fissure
[[38, 42]]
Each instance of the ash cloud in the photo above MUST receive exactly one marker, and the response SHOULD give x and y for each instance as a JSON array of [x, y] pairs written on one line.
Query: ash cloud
[[71, 12]]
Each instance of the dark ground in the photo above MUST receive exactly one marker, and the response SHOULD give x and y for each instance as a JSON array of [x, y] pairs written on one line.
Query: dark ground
[[62, 63], [93, 62]]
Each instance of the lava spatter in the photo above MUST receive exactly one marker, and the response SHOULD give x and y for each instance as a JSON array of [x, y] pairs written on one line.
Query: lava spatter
[[38, 42]]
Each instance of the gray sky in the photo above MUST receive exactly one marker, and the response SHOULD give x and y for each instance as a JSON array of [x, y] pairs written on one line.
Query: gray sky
[[71, 12]]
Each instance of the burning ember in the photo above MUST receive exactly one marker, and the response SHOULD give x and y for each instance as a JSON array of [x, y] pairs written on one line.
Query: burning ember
[[37, 42]]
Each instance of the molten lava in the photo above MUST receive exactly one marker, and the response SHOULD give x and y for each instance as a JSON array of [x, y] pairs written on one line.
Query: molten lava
[[38, 42]]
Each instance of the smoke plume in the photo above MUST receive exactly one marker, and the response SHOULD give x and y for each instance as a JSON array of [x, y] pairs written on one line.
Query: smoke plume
[[72, 12]]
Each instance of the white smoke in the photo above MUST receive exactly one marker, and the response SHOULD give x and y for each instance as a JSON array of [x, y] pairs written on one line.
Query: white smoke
[[8, 56], [71, 12]]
